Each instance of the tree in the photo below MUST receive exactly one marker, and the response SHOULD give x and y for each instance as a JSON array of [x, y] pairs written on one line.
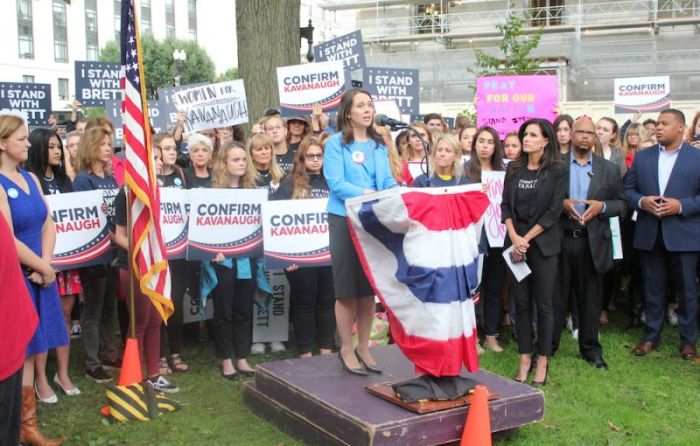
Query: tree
[[515, 51], [268, 37], [160, 66], [228, 75]]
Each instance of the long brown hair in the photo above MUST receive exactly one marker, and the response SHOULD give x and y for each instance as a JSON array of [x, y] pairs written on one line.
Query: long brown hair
[[343, 124], [409, 148], [691, 131], [220, 178], [299, 176], [474, 172], [89, 147]]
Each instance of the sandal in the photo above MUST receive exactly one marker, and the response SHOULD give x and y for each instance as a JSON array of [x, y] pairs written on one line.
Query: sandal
[[178, 364], [164, 368]]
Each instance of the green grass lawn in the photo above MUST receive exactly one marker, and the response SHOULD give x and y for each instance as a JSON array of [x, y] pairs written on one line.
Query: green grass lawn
[[640, 401]]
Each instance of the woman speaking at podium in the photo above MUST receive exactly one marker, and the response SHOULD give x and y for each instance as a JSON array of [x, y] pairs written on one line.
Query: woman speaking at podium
[[356, 163]]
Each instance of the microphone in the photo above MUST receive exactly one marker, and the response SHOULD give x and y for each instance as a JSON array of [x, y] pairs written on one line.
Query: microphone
[[383, 120]]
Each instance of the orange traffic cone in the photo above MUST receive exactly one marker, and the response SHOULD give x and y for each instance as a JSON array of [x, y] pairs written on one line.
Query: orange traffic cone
[[477, 429], [130, 372], [131, 364]]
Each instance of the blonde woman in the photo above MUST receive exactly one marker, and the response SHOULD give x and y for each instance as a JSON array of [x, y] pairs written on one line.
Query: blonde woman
[[268, 174], [234, 285], [445, 164]]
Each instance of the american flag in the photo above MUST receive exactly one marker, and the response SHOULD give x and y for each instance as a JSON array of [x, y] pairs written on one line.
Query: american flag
[[148, 255]]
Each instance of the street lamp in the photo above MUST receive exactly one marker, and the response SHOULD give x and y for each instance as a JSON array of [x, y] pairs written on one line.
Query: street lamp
[[180, 57], [307, 33]]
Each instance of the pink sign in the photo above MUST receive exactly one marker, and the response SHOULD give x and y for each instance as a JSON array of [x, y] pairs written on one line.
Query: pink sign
[[505, 102]]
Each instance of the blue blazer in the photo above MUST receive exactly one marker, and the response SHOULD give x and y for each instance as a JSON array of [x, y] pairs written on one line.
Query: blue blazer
[[348, 179], [680, 232]]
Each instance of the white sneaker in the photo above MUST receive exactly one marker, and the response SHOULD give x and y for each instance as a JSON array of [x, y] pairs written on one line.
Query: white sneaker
[[672, 317], [277, 347], [574, 334], [257, 349], [162, 385], [76, 331]]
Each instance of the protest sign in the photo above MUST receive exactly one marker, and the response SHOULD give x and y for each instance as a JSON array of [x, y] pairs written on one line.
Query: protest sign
[[32, 100], [82, 238], [225, 221], [505, 102], [97, 82], [192, 309], [644, 94], [114, 113], [271, 315], [400, 84], [347, 48], [495, 230], [212, 106], [174, 210], [302, 86], [167, 118], [295, 232]]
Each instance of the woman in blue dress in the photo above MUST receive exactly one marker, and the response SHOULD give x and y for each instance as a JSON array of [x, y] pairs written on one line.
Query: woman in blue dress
[[22, 204]]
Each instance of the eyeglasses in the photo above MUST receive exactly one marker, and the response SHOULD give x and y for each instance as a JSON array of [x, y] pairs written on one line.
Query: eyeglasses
[[314, 156]]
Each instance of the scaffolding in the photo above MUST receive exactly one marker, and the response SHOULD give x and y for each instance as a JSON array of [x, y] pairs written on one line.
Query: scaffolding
[[586, 43]]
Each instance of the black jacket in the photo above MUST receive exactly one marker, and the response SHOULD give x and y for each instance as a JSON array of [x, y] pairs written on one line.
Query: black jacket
[[605, 186], [545, 208]]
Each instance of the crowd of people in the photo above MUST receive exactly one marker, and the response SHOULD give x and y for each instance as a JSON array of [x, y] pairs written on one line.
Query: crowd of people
[[564, 181]]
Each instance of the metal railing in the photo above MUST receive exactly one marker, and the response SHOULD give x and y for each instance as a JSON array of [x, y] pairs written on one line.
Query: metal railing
[[581, 15]]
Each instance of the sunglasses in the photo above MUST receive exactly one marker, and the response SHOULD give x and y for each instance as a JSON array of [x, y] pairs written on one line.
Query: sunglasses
[[314, 156]]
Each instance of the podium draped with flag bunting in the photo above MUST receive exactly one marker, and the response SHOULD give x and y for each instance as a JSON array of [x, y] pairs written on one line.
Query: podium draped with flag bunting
[[420, 251]]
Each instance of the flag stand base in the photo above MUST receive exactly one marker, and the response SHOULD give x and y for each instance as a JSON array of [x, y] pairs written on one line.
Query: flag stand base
[[385, 392]]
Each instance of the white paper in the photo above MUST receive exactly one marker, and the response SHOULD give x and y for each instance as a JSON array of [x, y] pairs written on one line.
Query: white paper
[[616, 238], [520, 270], [634, 216]]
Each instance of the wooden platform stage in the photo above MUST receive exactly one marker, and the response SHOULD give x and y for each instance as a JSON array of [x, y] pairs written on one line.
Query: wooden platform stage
[[316, 401]]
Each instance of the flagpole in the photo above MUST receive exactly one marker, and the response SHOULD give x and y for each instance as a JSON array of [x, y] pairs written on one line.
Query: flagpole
[[129, 252]]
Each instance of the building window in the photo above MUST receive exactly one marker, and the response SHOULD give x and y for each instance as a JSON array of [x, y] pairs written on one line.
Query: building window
[[92, 45], [28, 78], [192, 19], [117, 20], [169, 18], [547, 12], [63, 88], [25, 32], [675, 8], [60, 33], [146, 17]]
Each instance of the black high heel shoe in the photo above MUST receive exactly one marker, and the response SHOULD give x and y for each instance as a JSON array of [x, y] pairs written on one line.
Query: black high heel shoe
[[526, 375], [372, 368], [358, 371], [544, 381]]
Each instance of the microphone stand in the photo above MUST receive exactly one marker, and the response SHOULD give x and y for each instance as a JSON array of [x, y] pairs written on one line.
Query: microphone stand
[[426, 149]]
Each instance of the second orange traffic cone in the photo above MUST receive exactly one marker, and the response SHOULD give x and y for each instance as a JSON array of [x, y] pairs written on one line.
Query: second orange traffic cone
[[477, 429]]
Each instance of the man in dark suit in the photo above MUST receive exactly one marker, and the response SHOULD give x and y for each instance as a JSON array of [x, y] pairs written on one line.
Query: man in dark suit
[[594, 195], [663, 185]]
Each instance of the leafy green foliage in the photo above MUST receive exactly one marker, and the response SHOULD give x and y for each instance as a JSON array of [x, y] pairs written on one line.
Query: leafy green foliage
[[515, 49], [160, 66], [228, 75]]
